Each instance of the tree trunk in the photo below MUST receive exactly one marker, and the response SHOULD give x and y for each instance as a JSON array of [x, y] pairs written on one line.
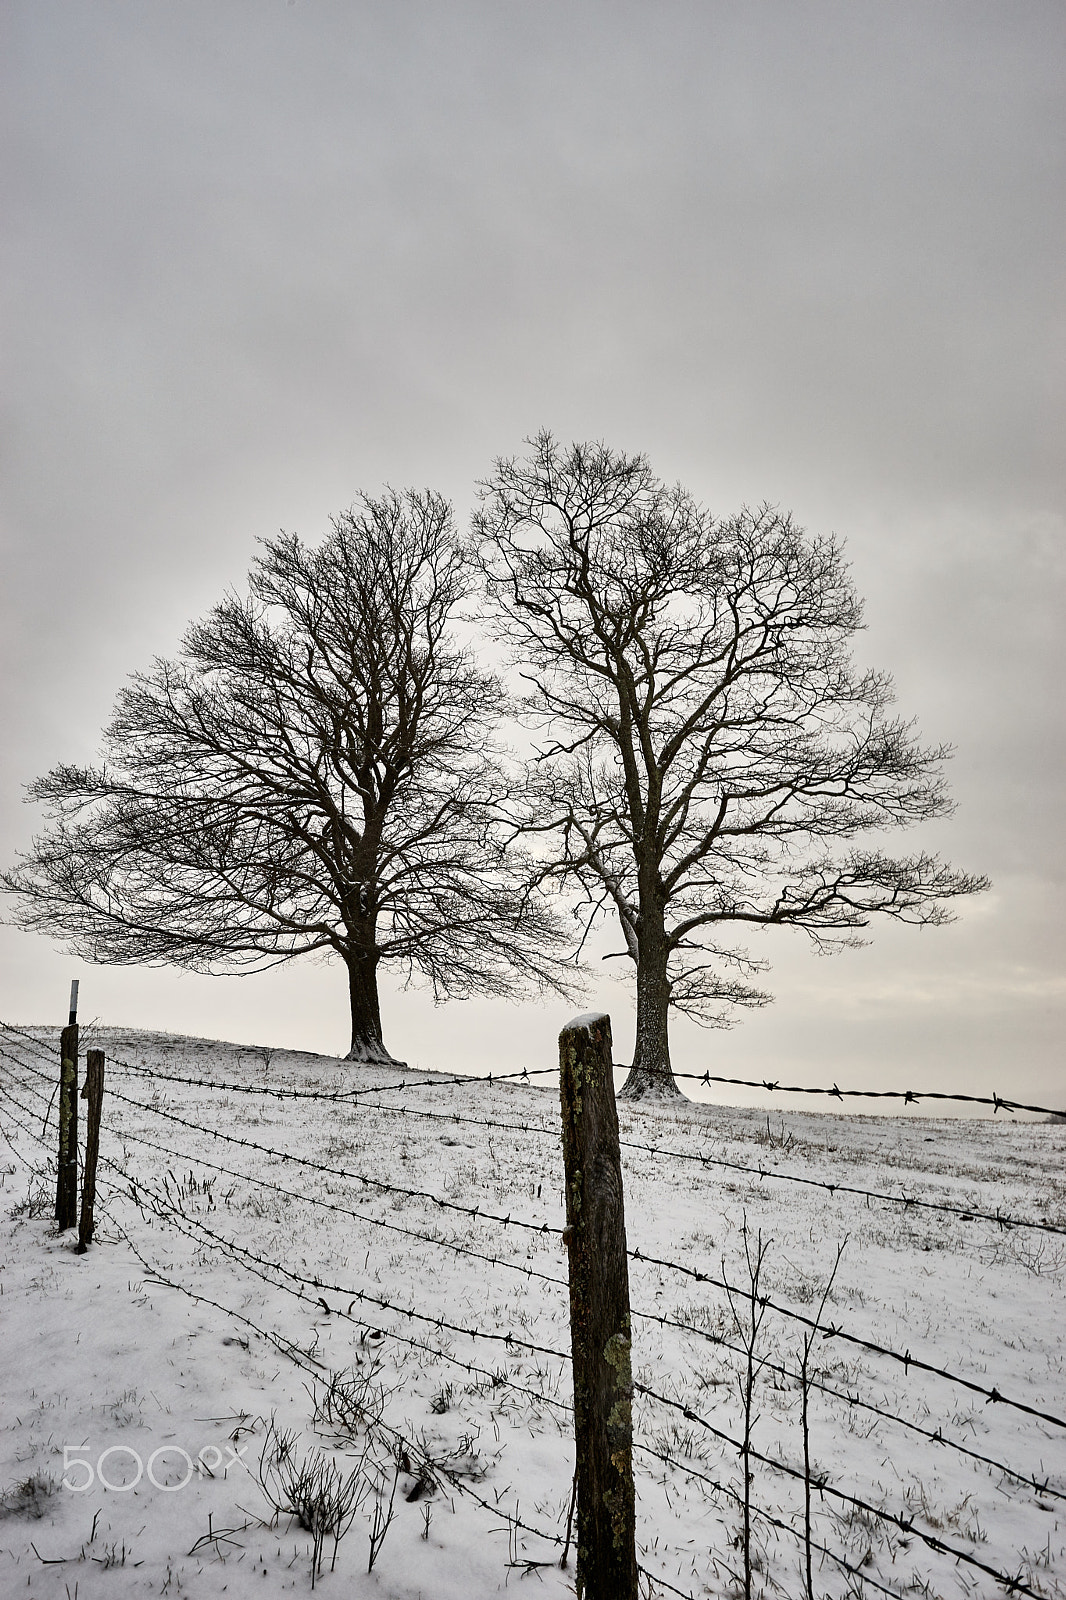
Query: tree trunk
[[650, 1076], [366, 1043]]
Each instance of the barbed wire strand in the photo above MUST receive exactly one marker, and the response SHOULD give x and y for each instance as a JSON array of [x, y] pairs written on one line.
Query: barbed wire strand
[[906, 1096], [302, 1359], [415, 1080], [907, 1201], [437, 1082], [767, 1516], [906, 1525], [935, 1436], [903, 1358]]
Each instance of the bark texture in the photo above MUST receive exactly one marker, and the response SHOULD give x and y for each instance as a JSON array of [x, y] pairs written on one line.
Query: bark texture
[[651, 1075]]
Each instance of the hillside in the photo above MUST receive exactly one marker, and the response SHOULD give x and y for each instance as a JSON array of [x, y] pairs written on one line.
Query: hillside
[[373, 1266]]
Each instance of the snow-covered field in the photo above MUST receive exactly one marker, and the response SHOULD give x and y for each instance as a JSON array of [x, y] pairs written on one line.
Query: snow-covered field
[[378, 1283]]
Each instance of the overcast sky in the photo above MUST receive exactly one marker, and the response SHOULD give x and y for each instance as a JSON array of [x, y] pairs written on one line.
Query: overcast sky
[[260, 255]]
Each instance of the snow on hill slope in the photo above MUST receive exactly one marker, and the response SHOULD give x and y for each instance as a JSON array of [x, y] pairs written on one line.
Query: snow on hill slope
[[371, 1286]]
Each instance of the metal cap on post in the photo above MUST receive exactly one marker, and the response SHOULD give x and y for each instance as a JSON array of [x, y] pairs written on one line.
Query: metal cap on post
[[72, 1019], [599, 1313]]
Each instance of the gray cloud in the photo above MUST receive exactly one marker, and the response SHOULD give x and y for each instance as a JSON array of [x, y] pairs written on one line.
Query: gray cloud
[[259, 256]]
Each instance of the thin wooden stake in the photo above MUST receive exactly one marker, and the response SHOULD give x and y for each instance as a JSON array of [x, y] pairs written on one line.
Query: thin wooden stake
[[599, 1313], [569, 1524], [93, 1091]]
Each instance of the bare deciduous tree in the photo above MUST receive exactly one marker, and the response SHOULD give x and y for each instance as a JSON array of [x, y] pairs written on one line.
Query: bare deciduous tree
[[315, 772], [708, 743]]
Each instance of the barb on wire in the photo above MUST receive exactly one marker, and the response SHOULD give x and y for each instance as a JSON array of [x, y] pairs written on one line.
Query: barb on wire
[[414, 1080]]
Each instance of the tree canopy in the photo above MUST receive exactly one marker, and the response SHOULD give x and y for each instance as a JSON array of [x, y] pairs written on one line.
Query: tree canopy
[[710, 756], [314, 773]]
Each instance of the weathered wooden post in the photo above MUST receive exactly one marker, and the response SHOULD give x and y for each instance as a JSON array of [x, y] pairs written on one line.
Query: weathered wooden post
[[599, 1313], [67, 1174], [93, 1091]]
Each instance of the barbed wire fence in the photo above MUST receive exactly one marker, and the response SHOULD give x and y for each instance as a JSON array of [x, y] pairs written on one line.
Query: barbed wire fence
[[26, 1106]]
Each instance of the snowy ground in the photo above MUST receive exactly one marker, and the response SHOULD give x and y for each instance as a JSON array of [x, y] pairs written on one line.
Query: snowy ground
[[423, 1349]]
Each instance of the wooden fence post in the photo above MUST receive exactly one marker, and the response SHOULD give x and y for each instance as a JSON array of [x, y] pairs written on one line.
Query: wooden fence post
[[93, 1091], [599, 1313], [67, 1173]]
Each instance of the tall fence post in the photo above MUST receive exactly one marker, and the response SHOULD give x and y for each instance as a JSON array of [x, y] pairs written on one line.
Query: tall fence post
[[93, 1092], [67, 1172], [599, 1313]]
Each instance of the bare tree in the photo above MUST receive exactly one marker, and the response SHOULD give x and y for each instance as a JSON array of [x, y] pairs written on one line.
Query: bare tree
[[315, 772], [707, 742]]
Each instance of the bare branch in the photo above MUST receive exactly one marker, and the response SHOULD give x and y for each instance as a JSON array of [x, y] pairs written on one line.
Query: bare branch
[[316, 772], [705, 735]]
